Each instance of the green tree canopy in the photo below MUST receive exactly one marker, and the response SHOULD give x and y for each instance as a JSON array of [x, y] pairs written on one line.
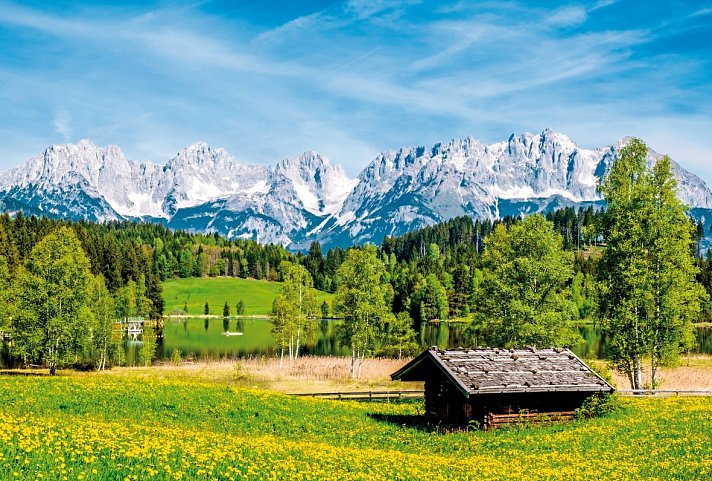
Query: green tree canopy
[[430, 301], [362, 299], [5, 295], [106, 340], [52, 324], [295, 310], [523, 298], [400, 337], [647, 271]]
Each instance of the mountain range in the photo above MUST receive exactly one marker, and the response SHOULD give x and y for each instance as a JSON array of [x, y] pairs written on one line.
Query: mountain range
[[308, 198]]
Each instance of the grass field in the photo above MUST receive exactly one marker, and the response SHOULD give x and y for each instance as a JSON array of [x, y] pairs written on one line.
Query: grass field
[[195, 292], [108, 427]]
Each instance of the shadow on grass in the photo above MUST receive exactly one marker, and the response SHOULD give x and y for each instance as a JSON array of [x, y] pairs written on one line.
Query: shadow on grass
[[10, 372], [416, 421]]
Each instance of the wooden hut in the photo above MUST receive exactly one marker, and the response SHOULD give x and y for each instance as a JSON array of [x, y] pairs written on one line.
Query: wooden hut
[[497, 386]]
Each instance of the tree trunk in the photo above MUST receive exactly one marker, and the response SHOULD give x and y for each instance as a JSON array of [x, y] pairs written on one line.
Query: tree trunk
[[281, 357], [296, 348], [629, 373], [637, 372], [360, 363], [102, 363], [653, 371], [353, 363]]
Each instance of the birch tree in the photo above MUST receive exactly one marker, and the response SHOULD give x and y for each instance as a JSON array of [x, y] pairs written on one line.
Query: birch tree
[[650, 295], [295, 310], [52, 323], [676, 296], [362, 300], [281, 313], [104, 316], [401, 338]]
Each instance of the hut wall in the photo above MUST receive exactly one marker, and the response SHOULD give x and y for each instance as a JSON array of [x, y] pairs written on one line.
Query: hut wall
[[447, 405], [514, 403], [444, 403]]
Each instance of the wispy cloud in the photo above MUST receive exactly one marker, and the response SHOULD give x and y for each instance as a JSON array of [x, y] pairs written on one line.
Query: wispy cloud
[[602, 4], [61, 125], [567, 16], [362, 9], [293, 29], [351, 78], [701, 12]]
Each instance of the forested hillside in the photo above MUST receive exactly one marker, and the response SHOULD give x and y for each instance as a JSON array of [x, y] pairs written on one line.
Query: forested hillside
[[434, 271], [128, 254]]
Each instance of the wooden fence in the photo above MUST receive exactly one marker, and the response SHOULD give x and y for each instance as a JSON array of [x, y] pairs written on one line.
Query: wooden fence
[[664, 392], [419, 394], [364, 394], [494, 421]]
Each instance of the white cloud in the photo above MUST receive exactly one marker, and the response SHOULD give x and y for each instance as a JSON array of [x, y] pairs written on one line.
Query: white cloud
[[701, 12], [293, 28], [363, 9], [602, 4], [345, 80], [61, 125], [567, 17]]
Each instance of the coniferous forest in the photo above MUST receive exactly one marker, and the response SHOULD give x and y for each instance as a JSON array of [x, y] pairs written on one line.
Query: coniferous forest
[[515, 281], [441, 260]]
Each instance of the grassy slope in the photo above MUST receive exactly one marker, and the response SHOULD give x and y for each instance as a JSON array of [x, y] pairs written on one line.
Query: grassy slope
[[257, 295], [113, 428]]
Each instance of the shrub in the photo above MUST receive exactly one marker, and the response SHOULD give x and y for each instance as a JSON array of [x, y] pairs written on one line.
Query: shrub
[[598, 405], [176, 357], [601, 368]]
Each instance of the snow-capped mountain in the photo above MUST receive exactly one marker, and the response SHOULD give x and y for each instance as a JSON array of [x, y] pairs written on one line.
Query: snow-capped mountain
[[308, 198], [79, 181], [200, 189], [413, 187]]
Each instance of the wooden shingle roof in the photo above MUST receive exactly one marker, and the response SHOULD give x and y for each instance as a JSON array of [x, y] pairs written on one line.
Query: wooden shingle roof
[[495, 371]]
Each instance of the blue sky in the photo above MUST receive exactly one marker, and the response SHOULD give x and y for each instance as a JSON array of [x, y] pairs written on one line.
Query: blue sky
[[268, 80]]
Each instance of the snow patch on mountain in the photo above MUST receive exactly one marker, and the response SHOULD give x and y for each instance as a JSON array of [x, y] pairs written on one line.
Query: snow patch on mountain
[[403, 189], [307, 197], [320, 185]]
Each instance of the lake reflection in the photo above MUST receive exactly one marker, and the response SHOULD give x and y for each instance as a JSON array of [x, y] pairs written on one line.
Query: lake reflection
[[205, 339]]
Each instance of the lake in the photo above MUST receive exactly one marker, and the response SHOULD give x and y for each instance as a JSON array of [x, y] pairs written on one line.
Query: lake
[[204, 339]]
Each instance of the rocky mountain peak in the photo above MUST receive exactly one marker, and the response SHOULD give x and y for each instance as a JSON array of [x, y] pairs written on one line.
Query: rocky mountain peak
[[320, 185], [307, 197]]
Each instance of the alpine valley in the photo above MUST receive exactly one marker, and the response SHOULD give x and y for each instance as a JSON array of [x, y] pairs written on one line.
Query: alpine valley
[[308, 198]]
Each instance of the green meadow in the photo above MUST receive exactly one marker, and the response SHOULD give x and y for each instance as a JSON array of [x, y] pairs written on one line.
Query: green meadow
[[195, 292], [111, 427]]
